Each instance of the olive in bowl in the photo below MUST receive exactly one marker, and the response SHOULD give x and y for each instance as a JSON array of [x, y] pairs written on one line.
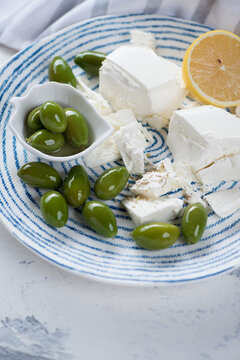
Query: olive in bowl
[[67, 97]]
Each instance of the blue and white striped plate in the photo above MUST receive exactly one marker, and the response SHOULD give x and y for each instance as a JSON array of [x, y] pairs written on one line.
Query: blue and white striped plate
[[75, 247]]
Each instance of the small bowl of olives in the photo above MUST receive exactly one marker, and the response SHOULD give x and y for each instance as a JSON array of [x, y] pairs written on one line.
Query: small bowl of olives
[[54, 121]]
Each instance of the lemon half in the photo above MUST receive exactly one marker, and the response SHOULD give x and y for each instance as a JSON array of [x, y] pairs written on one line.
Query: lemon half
[[211, 68]]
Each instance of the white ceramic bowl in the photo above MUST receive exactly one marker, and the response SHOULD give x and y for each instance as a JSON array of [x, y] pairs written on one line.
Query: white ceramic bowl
[[67, 96]]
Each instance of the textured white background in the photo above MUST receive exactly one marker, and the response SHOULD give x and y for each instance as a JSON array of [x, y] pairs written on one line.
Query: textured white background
[[49, 314]]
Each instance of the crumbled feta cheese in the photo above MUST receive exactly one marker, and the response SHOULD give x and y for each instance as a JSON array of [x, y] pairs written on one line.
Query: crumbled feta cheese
[[96, 99], [156, 122], [224, 203], [196, 197], [103, 153], [184, 174], [131, 144], [120, 118], [126, 117], [156, 182], [143, 211], [134, 137], [108, 150], [142, 38]]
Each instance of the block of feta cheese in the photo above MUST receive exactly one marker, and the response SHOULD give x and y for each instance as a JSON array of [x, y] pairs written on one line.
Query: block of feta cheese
[[143, 211], [131, 143], [108, 150], [224, 203], [203, 137], [224, 169], [157, 181], [135, 77], [142, 38]]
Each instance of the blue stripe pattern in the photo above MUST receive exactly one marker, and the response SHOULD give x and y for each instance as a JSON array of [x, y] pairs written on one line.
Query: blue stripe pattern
[[75, 247]]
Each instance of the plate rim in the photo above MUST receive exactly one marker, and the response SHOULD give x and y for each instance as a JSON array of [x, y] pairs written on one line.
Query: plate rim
[[117, 282]]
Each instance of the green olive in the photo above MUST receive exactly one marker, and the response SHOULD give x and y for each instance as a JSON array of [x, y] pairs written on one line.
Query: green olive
[[194, 222], [100, 218], [33, 120], [76, 187], [40, 174], [77, 129], [54, 208], [90, 61], [111, 182], [156, 236], [53, 117], [46, 141], [60, 71]]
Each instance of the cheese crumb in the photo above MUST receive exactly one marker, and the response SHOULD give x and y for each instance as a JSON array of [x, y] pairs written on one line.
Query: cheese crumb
[[156, 121], [142, 38], [97, 100]]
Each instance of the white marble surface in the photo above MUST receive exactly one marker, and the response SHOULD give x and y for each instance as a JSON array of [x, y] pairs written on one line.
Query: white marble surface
[[49, 314]]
